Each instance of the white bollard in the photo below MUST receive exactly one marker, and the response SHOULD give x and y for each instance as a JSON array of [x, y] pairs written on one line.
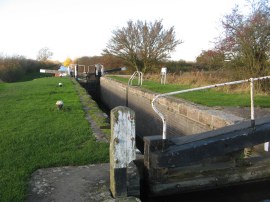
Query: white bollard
[[122, 148], [59, 104]]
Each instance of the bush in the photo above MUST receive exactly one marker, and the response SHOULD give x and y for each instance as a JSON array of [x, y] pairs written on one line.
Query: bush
[[17, 67]]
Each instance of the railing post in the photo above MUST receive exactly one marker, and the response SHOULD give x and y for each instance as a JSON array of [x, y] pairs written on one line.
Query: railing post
[[127, 88], [140, 80], [122, 148], [252, 102], [76, 71], [251, 80]]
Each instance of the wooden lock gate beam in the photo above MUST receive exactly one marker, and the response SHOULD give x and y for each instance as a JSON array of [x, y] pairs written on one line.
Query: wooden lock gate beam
[[187, 150]]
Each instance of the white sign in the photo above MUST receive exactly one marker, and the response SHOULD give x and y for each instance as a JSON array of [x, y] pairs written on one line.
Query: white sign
[[164, 70], [163, 75]]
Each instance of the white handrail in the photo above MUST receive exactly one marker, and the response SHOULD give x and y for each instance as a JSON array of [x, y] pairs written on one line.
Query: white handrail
[[140, 78], [164, 135]]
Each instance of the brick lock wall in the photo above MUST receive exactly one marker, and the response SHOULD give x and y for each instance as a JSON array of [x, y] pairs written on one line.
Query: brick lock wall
[[183, 118]]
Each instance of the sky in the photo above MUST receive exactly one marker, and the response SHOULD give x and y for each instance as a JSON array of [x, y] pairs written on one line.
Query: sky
[[76, 28]]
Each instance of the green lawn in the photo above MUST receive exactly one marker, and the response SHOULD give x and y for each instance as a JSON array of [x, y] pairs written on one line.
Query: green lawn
[[210, 97], [35, 134]]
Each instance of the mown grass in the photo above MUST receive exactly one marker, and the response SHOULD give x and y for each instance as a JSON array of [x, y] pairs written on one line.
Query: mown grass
[[210, 97], [35, 134]]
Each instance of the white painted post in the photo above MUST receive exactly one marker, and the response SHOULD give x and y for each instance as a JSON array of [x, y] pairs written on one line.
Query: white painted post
[[122, 148], [76, 71], [266, 146], [102, 70], [163, 75]]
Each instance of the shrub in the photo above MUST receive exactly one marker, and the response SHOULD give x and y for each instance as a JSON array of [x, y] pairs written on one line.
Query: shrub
[[16, 67]]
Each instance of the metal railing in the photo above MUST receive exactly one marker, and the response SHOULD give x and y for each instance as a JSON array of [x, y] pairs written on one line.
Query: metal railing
[[133, 76], [251, 80], [140, 78]]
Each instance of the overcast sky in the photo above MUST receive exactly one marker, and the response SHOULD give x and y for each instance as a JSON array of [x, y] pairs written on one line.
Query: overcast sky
[[75, 28]]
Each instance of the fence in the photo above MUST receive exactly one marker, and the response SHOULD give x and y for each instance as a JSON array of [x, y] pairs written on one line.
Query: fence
[[133, 76], [251, 80], [140, 78]]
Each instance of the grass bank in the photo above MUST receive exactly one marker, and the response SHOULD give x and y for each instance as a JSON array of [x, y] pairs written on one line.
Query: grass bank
[[35, 134], [210, 97]]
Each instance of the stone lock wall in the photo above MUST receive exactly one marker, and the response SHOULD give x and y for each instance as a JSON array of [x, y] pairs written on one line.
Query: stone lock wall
[[183, 118]]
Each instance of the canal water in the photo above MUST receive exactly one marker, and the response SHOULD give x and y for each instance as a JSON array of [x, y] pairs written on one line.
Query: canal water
[[253, 192]]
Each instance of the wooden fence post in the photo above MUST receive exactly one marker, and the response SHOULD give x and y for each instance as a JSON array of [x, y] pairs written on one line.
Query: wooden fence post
[[122, 148]]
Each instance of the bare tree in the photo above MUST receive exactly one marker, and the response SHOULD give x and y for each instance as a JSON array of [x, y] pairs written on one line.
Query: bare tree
[[44, 54], [246, 39], [142, 44], [211, 59]]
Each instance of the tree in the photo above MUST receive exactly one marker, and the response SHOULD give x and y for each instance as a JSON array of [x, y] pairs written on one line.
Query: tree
[[142, 44], [67, 62], [246, 39], [44, 54], [211, 59]]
